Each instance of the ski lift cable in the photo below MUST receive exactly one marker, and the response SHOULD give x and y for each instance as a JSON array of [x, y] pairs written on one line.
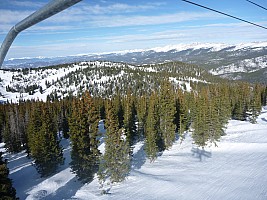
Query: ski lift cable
[[225, 14], [256, 4]]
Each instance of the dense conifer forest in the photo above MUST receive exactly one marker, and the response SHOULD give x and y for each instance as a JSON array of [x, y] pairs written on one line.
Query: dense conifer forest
[[158, 117]]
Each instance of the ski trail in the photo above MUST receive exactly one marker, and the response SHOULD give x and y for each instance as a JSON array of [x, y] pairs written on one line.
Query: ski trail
[[235, 170], [50, 185]]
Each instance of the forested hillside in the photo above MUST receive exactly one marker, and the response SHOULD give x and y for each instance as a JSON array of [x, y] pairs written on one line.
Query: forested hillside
[[156, 104], [158, 118], [102, 79]]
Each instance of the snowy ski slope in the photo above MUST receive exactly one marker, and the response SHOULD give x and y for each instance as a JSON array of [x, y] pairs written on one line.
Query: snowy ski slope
[[235, 170]]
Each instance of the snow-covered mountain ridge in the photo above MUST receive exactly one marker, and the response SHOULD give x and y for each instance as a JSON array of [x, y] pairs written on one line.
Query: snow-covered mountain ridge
[[246, 65], [211, 46], [240, 61], [177, 47], [99, 77]]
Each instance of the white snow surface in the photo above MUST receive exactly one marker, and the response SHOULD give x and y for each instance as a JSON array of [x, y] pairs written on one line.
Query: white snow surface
[[235, 170], [41, 76], [194, 46], [33, 77], [177, 47], [48, 80], [246, 65]]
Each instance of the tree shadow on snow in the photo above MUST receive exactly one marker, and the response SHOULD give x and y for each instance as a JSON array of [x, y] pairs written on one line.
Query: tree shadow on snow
[[200, 153], [139, 158], [67, 191], [263, 119]]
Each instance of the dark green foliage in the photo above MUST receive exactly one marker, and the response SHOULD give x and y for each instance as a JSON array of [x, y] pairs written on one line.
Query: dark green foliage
[[185, 106], [115, 164], [167, 112], [240, 101], [247, 100], [152, 134], [12, 132], [43, 142], [2, 120], [142, 106], [264, 96], [7, 192], [129, 118], [135, 104], [119, 108], [200, 123], [254, 107], [83, 134], [210, 117]]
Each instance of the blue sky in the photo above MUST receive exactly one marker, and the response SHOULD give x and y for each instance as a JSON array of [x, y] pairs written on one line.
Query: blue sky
[[95, 26]]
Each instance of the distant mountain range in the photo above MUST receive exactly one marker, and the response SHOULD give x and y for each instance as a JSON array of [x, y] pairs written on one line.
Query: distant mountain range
[[243, 61]]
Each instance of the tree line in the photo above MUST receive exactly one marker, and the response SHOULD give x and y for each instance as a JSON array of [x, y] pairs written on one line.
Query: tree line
[[158, 118], [103, 78]]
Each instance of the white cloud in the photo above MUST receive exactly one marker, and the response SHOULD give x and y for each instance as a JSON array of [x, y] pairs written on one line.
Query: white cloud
[[10, 16], [136, 32], [120, 8], [120, 21], [29, 4]]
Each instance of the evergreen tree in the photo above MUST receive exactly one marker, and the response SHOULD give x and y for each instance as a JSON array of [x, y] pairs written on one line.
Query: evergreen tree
[[115, 164], [83, 134], [7, 192], [254, 107], [129, 118], [182, 115], [43, 142], [211, 116], [12, 136], [200, 125], [241, 92], [142, 115], [264, 96], [152, 129], [119, 108], [224, 103], [2, 117], [167, 112], [216, 120], [220, 110]]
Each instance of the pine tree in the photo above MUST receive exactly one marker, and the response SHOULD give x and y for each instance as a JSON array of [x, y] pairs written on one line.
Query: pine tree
[[224, 103], [7, 192], [183, 114], [211, 115], [152, 129], [115, 164], [220, 110], [43, 143], [12, 136], [241, 92], [264, 96], [129, 119], [83, 134], [2, 118], [119, 108], [254, 107], [216, 119], [167, 111], [200, 125], [141, 115]]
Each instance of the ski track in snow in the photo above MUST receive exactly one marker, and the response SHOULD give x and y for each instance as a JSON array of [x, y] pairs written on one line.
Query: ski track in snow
[[235, 170]]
